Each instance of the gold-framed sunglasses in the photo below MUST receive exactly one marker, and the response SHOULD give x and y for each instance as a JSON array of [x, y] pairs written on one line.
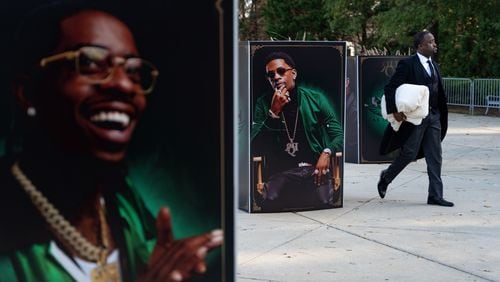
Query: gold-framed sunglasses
[[280, 71], [98, 65]]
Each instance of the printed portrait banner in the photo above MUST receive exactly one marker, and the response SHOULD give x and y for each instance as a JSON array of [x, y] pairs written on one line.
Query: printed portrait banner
[[180, 155], [374, 73], [285, 148]]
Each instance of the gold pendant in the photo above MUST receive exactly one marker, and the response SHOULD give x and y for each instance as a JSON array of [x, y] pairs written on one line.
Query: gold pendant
[[106, 273]]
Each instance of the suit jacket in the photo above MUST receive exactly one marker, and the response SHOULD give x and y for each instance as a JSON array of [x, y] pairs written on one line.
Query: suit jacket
[[411, 71]]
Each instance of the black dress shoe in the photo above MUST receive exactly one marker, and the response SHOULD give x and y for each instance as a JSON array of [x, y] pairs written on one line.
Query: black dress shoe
[[382, 185], [439, 202]]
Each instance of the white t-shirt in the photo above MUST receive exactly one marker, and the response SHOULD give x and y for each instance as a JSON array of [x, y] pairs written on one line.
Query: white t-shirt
[[80, 271]]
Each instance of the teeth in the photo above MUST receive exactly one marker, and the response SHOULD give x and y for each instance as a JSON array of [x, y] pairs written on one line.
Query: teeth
[[121, 118]]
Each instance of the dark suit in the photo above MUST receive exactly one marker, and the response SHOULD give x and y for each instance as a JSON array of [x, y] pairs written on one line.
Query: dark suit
[[419, 141]]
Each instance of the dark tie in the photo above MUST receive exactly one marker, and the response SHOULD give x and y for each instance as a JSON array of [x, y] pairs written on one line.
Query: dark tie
[[434, 88], [431, 68]]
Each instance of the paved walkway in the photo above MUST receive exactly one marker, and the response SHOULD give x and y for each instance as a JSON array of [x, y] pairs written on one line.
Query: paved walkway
[[400, 238]]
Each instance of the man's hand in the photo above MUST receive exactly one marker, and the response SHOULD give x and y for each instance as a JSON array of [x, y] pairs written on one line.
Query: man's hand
[[399, 116], [322, 169], [177, 260], [280, 98]]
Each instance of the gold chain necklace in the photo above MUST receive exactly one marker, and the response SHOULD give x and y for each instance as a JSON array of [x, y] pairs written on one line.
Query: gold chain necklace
[[68, 233], [291, 147]]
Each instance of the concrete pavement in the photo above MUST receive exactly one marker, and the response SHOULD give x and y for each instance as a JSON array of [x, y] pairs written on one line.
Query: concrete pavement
[[399, 238]]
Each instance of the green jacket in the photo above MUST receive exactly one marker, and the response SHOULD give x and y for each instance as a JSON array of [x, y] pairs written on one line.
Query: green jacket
[[35, 263], [322, 127]]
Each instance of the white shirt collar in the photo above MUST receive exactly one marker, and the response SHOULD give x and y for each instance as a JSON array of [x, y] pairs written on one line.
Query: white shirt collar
[[423, 59], [78, 268]]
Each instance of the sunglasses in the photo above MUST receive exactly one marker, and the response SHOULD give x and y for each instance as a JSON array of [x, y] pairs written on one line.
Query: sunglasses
[[279, 71]]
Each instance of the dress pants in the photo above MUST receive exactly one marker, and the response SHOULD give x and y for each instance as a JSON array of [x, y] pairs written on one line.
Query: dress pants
[[427, 134]]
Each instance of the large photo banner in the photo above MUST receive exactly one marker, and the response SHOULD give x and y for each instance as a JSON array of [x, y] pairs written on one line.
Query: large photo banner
[[374, 72], [114, 144], [296, 133]]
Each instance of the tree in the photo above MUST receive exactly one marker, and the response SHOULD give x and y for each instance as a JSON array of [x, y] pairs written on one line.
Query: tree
[[400, 20], [352, 20], [467, 32], [251, 21], [296, 19], [470, 38]]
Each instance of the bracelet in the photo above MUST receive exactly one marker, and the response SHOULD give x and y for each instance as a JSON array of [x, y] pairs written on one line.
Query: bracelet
[[273, 115], [327, 151]]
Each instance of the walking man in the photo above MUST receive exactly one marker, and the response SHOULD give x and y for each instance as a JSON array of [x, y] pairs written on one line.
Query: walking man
[[417, 141]]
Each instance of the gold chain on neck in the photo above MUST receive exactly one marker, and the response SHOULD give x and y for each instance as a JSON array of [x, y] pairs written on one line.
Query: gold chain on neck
[[295, 127], [62, 227]]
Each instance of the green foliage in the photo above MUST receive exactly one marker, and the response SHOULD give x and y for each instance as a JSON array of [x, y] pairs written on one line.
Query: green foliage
[[353, 20], [467, 31], [395, 27], [470, 38], [251, 21], [296, 19]]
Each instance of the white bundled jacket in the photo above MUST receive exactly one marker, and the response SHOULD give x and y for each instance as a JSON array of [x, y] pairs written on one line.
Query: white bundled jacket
[[412, 100]]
